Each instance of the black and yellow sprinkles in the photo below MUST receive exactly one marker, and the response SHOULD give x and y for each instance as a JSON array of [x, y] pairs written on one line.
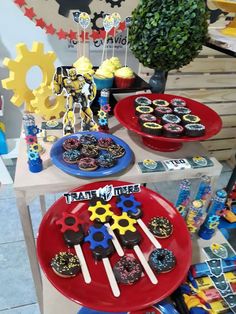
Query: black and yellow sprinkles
[[65, 264]]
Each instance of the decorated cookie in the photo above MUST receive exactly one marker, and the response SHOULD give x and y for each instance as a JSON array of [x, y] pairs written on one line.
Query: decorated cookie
[[162, 260], [65, 264], [143, 109], [160, 103], [87, 164], [142, 101], [152, 128], [160, 227], [71, 143], [89, 151], [177, 102], [194, 130], [127, 270], [128, 204], [160, 111], [146, 117], [88, 140], [106, 160], [190, 118], [100, 241], [170, 118], [100, 211], [71, 156], [181, 111], [105, 142], [116, 151], [172, 130]]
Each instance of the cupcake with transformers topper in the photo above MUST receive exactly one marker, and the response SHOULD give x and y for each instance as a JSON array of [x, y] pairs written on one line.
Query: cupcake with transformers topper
[[125, 112]]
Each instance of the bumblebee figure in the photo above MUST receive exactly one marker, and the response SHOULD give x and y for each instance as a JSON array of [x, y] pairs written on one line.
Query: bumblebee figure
[[80, 89]]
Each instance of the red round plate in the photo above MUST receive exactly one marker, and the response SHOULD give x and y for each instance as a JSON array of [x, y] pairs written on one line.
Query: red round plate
[[125, 113], [98, 295]]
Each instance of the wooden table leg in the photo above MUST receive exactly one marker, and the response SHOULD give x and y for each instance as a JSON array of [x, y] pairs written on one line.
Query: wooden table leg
[[30, 245], [42, 204], [232, 181]]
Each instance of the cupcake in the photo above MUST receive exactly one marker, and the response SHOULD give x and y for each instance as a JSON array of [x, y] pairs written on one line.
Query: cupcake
[[142, 101], [193, 129], [108, 65], [83, 66], [172, 130], [124, 77], [152, 128], [103, 78], [116, 62]]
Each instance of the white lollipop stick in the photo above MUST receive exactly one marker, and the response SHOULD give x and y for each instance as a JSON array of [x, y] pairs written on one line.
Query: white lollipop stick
[[126, 47], [111, 277], [114, 39], [145, 265], [104, 47], [149, 234], [84, 267], [116, 243]]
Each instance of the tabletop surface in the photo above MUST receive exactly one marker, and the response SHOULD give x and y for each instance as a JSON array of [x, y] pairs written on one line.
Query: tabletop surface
[[52, 179]]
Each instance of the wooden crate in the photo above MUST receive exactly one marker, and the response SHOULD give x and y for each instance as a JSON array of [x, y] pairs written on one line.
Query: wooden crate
[[210, 79]]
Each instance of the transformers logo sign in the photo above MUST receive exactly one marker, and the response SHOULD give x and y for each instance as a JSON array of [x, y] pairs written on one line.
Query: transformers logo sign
[[105, 193]]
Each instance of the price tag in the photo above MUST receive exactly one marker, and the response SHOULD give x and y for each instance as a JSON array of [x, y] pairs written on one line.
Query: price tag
[[176, 164]]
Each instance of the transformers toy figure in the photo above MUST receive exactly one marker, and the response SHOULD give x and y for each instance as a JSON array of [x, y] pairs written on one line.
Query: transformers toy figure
[[79, 89]]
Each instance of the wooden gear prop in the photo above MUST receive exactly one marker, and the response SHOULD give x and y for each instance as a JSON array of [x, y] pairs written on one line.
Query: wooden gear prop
[[25, 60], [46, 108], [56, 17]]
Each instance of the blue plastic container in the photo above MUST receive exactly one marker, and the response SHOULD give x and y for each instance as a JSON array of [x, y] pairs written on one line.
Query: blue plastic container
[[35, 165]]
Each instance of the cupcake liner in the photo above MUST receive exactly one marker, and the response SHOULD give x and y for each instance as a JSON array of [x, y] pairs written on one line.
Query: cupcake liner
[[103, 83], [124, 82]]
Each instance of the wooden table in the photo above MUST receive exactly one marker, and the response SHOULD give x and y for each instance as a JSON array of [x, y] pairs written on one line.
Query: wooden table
[[51, 180]]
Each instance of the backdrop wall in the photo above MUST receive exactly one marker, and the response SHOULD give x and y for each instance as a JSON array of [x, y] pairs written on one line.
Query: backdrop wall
[[15, 28]]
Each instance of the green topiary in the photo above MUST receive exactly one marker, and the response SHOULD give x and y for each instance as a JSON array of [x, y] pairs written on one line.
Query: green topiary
[[168, 34]]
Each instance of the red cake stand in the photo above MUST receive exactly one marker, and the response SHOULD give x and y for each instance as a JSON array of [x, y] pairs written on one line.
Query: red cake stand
[[125, 114], [97, 295]]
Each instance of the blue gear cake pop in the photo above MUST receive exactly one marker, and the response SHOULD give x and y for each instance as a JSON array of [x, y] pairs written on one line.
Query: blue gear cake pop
[[129, 205], [100, 241]]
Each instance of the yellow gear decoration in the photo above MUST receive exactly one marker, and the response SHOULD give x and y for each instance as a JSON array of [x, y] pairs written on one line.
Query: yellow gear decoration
[[118, 223], [19, 67], [35, 147], [104, 208], [41, 103]]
